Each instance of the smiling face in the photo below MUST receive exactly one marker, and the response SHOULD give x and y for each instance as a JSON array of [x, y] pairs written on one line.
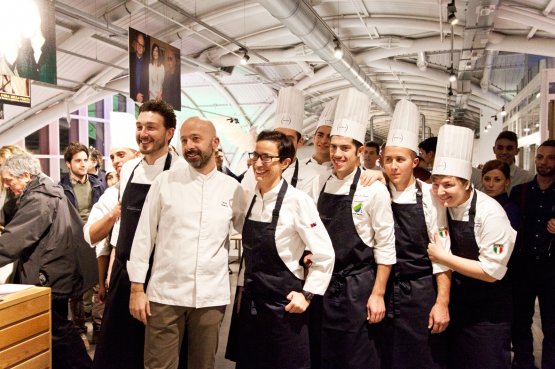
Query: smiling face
[[268, 174], [398, 165], [344, 155], [119, 156], [505, 150], [152, 136], [545, 161], [450, 191], [322, 142], [494, 182], [199, 142]]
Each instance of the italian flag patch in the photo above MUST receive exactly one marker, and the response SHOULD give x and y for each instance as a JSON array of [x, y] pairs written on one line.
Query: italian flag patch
[[498, 248], [443, 232]]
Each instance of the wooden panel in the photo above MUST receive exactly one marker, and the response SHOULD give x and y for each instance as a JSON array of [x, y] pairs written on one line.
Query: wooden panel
[[23, 350], [24, 329], [24, 310], [19, 297], [41, 361]]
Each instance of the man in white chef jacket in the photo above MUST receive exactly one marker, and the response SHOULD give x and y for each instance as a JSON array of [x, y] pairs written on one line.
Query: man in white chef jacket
[[187, 215], [320, 161]]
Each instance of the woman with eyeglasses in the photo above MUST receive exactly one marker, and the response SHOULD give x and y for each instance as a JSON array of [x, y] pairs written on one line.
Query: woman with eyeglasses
[[496, 179], [281, 222], [482, 241]]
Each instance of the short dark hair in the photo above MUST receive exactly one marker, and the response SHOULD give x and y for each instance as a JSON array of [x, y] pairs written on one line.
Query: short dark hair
[[428, 144], [507, 135], [284, 143], [499, 165], [358, 144], [74, 148], [548, 143], [164, 109], [94, 154], [373, 144]]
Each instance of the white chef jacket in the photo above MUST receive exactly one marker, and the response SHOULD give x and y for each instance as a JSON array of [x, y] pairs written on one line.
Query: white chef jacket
[[187, 215], [321, 169], [298, 228], [373, 219], [103, 206], [492, 230], [304, 178], [434, 213]]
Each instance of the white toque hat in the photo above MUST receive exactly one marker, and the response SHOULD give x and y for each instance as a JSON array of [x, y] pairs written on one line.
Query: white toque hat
[[122, 130], [403, 131], [328, 114], [351, 115], [290, 109], [454, 152]]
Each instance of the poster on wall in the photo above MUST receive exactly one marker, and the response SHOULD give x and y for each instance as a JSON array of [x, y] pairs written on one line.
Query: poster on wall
[[15, 90], [36, 56], [154, 70]]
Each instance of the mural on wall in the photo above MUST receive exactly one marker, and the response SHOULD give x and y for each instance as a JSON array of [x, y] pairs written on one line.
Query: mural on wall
[[154, 70]]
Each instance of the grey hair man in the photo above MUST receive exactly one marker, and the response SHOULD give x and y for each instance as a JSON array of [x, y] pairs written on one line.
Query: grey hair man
[[45, 238]]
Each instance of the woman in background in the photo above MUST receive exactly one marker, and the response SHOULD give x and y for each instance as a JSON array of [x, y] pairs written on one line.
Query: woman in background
[[495, 182], [155, 73]]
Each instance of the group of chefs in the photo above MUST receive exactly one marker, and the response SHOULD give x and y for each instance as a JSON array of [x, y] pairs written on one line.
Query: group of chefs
[[339, 270]]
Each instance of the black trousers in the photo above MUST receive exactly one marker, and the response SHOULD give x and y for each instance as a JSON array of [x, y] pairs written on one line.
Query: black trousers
[[68, 349], [533, 278]]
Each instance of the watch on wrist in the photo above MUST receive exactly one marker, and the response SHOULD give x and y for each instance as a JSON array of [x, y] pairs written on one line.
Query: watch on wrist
[[307, 295]]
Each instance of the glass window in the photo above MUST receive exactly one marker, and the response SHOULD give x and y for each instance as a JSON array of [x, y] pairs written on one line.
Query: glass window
[[37, 142]]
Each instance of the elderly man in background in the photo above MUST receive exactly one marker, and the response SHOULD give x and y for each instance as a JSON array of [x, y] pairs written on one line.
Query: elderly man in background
[[45, 238]]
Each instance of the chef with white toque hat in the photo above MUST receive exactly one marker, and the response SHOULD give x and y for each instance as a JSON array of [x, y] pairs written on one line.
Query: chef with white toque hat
[[360, 224], [320, 160], [418, 289], [482, 241]]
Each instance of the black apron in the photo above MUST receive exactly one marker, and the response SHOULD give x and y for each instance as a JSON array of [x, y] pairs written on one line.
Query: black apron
[[295, 177], [121, 339], [480, 332], [411, 293], [269, 337], [348, 340]]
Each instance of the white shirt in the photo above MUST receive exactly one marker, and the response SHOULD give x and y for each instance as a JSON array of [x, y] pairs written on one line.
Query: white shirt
[[434, 214], [155, 80], [187, 215], [103, 206], [492, 230], [298, 228], [373, 219], [321, 169], [304, 178]]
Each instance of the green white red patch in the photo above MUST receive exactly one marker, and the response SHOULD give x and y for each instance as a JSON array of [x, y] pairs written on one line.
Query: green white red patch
[[498, 248]]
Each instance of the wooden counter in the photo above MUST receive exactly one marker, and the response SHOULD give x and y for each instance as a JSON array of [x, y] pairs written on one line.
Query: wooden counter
[[25, 336]]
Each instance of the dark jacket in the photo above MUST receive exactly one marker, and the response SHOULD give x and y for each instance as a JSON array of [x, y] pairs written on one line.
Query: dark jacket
[[96, 187], [46, 236]]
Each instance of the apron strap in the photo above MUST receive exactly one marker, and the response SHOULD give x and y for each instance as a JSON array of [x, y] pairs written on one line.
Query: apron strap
[[295, 174]]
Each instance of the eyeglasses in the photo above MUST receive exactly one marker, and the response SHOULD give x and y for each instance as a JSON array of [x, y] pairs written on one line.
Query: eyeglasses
[[254, 156]]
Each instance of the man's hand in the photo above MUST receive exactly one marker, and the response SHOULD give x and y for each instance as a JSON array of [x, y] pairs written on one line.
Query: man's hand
[[439, 318], [298, 303], [551, 226], [139, 306], [369, 176], [102, 292], [115, 213], [436, 251], [376, 308]]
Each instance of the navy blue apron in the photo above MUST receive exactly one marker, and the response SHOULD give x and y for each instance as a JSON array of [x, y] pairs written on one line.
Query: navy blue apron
[[348, 340], [412, 293], [269, 337], [480, 332], [121, 339]]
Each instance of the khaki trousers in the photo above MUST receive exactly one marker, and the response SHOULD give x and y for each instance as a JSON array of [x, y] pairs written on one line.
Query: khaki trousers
[[166, 328]]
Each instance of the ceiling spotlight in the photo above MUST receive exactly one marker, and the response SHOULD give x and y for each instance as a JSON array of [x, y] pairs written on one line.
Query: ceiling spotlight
[[486, 129], [452, 76], [451, 10], [338, 50], [537, 124], [488, 126], [503, 112], [526, 129], [245, 59]]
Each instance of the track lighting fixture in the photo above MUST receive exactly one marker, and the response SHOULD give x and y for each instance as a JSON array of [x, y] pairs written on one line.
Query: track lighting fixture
[[451, 10], [503, 112], [245, 58], [452, 76], [338, 50], [449, 91]]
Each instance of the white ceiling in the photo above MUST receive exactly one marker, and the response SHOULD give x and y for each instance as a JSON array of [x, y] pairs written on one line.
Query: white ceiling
[[384, 38]]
